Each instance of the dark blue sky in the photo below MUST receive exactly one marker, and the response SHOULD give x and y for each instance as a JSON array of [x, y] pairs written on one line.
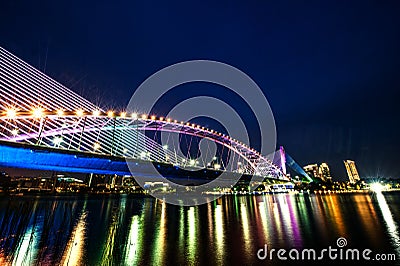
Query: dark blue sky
[[328, 68]]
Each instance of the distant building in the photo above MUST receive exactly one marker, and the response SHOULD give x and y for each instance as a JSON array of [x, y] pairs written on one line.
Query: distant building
[[351, 171], [312, 170], [318, 172], [324, 172]]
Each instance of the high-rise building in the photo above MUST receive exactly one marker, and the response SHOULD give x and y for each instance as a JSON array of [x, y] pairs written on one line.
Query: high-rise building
[[283, 159], [324, 172], [312, 170], [351, 171]]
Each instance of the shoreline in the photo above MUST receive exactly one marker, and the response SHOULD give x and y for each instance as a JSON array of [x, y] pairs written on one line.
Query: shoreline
[[143, 195]]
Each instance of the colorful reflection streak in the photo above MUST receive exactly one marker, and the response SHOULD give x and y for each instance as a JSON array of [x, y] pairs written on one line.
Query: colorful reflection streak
[[124, 230], [219, 236], [25, 255], [392, 227], [134, 244], [73, 255], [159, 247], [369, 219]]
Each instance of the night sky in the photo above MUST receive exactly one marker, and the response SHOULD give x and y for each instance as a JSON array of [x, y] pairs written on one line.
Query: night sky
[[329, 69]]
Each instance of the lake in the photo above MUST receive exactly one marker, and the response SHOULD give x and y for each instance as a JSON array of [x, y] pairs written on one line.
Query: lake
[[141, 230]]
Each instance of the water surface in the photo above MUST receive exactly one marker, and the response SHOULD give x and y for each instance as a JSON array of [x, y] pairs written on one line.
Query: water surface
[[127, 230]]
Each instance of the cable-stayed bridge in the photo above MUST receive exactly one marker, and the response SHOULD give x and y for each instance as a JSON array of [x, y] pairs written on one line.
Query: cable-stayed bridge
[[44, 125]]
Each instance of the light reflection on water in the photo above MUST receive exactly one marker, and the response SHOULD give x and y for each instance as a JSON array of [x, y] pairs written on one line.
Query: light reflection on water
[[29, 237], [192, 235], [134, 243], [159, 247], [73, 254], [391, 225], [219, 236], [124, 230]]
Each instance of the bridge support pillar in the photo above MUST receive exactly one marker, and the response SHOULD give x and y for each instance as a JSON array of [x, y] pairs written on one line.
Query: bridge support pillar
[[113, 181], [90, 179], [54, 179]]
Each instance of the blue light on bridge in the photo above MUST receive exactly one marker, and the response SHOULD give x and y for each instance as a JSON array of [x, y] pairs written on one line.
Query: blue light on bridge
[[62, 161]]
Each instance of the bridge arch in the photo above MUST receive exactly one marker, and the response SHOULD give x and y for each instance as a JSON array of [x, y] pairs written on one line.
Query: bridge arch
[[38, 110], [80, 130]]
